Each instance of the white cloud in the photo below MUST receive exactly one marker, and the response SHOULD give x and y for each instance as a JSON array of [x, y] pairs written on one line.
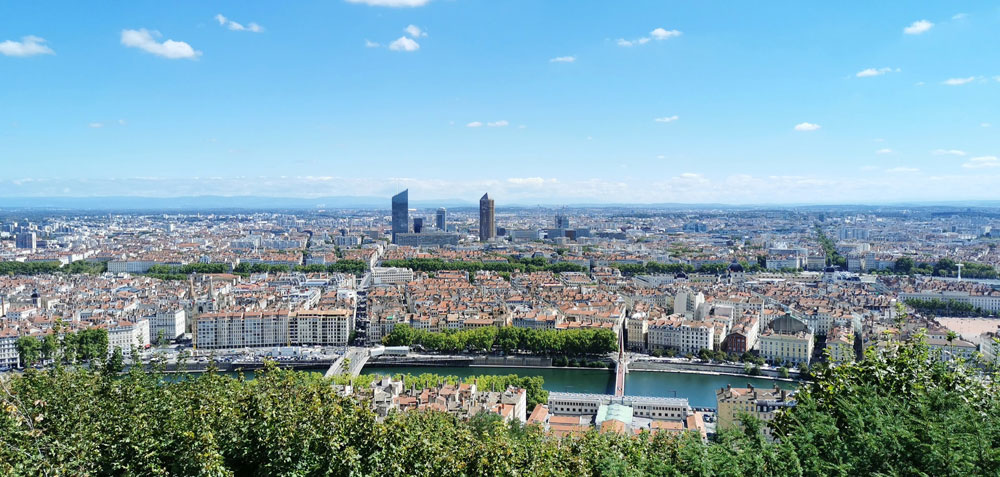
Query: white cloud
[[948, 152], [414, 31], [529, 181], [662, 34], [901, 170], [392, 3], [918, 27], [807, 127], [96, 125], [563, 59], [982, 162], [985, 125], [404, 44], [121, 122], [667, 119], [28, 46], [960, 16], [146, 40], [627, 43], [371, 44], [884, 150], [869, 72], [958, 81], [251, 27], [498, 124], [474, 124]]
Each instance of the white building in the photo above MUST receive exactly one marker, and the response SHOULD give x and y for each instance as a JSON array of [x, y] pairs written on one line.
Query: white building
[[682, 335], [8, 352], [167, 323], [986, 302], [131, 266], [391, 275], [126, 335], [659, 408]]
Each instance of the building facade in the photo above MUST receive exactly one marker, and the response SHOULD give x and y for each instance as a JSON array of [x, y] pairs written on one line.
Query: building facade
[[487, 224], [400, 214]]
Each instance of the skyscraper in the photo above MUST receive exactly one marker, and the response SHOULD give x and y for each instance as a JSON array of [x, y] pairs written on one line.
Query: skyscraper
[[400, 214], [26, 240], [442, 219], [418, 225], [562, 222], [487, 226]]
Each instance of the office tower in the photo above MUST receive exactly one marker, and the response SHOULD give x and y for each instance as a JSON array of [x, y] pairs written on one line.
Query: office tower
[[26, 240], [487, 226], [442, 219], [418, 225], [400, 214], [562, 222]]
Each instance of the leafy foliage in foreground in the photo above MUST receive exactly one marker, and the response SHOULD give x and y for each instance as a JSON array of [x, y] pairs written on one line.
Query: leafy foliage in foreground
[[898, 413]]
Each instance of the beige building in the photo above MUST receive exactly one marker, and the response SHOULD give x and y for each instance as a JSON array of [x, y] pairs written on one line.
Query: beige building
[[732, 403], [840, 345], [680, 334], [273, 328], [637, 328], [777, 347]]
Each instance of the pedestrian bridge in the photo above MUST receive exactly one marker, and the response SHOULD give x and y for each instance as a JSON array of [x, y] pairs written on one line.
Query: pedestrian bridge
[[351, 363]]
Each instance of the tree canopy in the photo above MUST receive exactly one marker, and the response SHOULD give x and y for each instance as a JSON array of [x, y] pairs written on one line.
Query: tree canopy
[[507, 339], [901, 411]]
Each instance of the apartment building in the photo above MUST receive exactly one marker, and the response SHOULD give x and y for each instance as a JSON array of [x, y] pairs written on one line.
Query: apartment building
[[781, 347], [391, 275], [840, 345], [126, 334], [167, 323], [682, 335], [331, 327], [732, 403]]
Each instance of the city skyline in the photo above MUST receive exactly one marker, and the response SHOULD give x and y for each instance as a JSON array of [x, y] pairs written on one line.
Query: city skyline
[[642, 103]]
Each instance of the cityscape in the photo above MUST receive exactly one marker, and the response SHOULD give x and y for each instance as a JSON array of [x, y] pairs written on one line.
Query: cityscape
[[313, 267]]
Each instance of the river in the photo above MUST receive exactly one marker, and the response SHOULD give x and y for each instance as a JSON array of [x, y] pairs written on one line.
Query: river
[[699, 389]]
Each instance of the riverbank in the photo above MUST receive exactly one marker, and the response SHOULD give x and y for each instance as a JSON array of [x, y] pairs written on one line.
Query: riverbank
[[719, 369]]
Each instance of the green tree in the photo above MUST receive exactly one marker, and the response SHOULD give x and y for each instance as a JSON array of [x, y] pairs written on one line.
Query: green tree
[[29, 349]]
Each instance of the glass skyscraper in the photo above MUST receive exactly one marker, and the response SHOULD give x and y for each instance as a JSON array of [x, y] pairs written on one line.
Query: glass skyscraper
[[400, 214], [487, 225], [442, 219]]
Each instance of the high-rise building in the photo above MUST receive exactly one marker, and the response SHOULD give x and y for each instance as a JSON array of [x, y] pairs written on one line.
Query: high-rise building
[[441, 221], [418, 225], [400, 214], [26, 240], [562, 222], [487, 225]]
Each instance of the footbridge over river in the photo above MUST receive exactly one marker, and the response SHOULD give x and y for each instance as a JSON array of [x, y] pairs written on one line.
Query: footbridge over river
[[350, 363], [621, 367]]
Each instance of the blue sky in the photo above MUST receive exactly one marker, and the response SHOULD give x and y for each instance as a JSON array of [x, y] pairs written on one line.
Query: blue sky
[[639, 101]]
